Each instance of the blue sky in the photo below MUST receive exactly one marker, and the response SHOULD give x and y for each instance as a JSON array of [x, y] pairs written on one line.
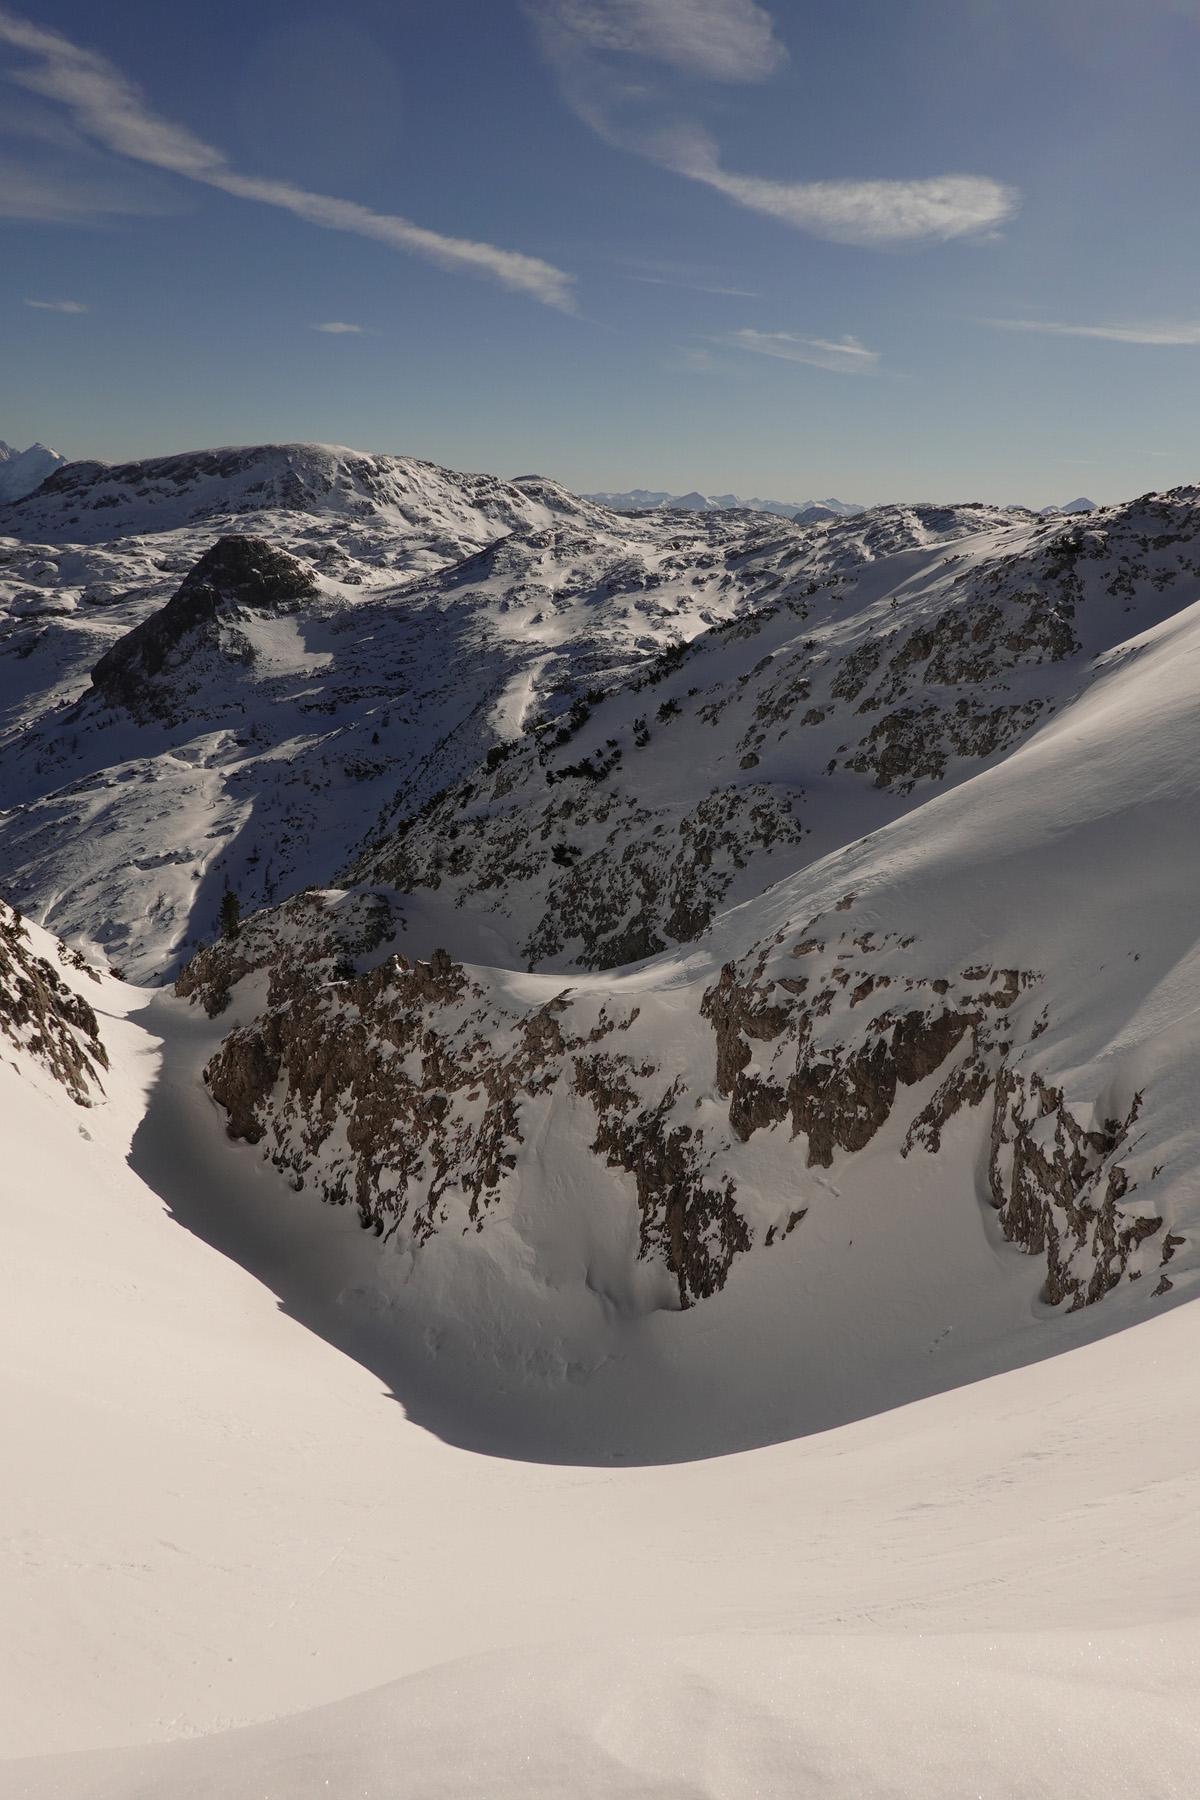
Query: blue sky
[[939, 249]]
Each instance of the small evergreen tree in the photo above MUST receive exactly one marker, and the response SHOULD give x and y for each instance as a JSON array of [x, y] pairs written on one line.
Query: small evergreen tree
[[230, 914]]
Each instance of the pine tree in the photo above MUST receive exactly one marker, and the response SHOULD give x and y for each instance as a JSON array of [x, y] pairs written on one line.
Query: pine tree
[[230, 914]]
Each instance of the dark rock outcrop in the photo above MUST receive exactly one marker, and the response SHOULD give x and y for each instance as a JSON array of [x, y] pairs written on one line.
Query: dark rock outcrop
[[238, 572], [43, 1015], [1060, 1191], [317, 935]]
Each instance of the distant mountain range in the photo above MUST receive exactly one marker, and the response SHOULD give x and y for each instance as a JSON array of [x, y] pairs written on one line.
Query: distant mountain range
[[646, 499], [21, 471], [808, 512]]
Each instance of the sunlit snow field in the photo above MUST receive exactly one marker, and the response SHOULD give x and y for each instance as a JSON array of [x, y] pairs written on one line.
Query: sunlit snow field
[[221, 1519]]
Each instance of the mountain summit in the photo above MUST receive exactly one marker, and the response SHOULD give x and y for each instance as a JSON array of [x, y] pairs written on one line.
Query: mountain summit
[[22, 471]]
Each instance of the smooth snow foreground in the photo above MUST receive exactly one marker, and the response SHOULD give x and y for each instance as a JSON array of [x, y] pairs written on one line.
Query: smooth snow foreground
[[212, 1519]]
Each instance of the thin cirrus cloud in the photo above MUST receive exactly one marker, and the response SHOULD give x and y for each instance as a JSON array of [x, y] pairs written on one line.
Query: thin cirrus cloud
[[599, 50], [720, 40], [867, 213], [60, 306], [845, 358], [339, 328], [1163, 333], [697, 287], [108, 110]]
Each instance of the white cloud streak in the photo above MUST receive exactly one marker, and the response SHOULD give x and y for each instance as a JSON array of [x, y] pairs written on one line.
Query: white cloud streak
[[598, 49], [867, 213], [845, 358], [339, 328], [695, 287], [110, 111], [720, 40], [59, 306], [1161, 334]]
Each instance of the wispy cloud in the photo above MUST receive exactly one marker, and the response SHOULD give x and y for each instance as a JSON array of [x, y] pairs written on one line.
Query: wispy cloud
[[869, 213], [109, 110], [721, 40], [847, 357], [696, 287], [1162, 333], [63, 306], [338, 328], [600, 49]]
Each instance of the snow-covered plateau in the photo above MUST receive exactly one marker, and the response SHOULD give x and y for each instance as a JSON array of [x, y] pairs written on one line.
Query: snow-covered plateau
[[654, 1255]]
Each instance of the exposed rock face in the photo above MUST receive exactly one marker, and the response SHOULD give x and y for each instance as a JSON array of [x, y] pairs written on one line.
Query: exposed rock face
[[1055, 1183], [688, 1219], [834, 1076], [407, 1089], [1060, 1191], [41, 1014], [318, 935], [402, 1090], [649, 882], [417, 1091], [238, 574]]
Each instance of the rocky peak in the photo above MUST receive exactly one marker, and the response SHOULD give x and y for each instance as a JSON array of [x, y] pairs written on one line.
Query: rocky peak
[[238, 572]]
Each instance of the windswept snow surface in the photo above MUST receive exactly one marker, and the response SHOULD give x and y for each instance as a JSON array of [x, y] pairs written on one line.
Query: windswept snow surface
[[220, 1519]]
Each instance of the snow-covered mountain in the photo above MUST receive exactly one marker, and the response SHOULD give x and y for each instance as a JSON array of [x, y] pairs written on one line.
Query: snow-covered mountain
[[1080, 505], [416, 654], [428, 515], [599, 738], [647, 499], [21, 471], [583, 738], [708, 988], [970, 1034]]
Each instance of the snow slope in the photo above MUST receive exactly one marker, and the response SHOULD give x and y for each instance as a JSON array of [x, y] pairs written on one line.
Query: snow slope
[[223, 1519]]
